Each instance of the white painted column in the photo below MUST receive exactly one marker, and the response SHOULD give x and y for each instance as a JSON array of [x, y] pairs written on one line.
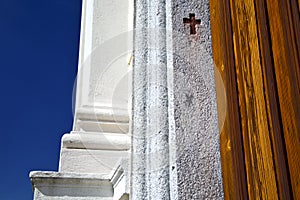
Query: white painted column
[[94, 156], [101, 119]]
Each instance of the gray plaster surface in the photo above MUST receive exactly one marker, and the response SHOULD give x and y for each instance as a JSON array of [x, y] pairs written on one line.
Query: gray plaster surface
[[150, 167], [139, 113], [196, 120], [175, 137]]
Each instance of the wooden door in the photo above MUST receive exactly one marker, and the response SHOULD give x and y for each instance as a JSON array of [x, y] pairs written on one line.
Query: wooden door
[[256, 49]]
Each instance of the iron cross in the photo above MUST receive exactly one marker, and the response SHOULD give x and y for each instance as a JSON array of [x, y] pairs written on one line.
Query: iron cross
[[193, 22]]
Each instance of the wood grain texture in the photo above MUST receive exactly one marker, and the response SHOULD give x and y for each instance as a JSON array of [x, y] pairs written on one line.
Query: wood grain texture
[[256, 49], [233, 162], [284, 28], [258, 154], [274, 115]]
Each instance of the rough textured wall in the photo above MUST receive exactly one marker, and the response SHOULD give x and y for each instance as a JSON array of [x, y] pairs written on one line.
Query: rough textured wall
[[195, 110], [150, 152], [175, 142]]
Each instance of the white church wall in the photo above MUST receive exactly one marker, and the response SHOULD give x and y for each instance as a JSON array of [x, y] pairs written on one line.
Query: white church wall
[[101, 120], [105, 52], [99, 141]]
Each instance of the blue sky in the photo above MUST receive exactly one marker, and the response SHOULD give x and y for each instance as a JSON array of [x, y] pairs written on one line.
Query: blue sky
[[39, 42]]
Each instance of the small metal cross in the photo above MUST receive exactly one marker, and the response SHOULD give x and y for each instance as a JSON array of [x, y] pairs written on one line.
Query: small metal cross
[[193, 22]]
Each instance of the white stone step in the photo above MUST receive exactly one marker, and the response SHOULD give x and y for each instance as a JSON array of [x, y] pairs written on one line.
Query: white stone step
[[90, 161], [70, 186]]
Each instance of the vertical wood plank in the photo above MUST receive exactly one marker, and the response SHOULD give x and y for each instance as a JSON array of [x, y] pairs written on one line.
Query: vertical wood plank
[[256, 47], [284, 28], [225, 146], [274, 115], [258, 154], [233, 165]]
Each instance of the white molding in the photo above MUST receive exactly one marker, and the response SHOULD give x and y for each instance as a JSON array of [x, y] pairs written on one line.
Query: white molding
[[96, 141]]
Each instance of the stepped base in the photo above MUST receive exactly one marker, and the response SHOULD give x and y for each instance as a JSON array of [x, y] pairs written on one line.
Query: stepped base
[[84, 152], [71, 186], [90, 161], [82, 186]]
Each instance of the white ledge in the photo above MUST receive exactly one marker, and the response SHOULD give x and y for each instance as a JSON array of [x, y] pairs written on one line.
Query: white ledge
[[96, 141], [64, 175], [101, 126], [102, 114], [69, 186]]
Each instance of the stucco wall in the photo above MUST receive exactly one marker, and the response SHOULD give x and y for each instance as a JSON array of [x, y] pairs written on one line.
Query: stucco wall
[[195, 110]]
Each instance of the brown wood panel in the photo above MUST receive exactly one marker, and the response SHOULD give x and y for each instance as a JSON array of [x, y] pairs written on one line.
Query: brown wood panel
[[225, 146], [233, 163], [274, 115], [258, 153], [256, 49], [284, 28]]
